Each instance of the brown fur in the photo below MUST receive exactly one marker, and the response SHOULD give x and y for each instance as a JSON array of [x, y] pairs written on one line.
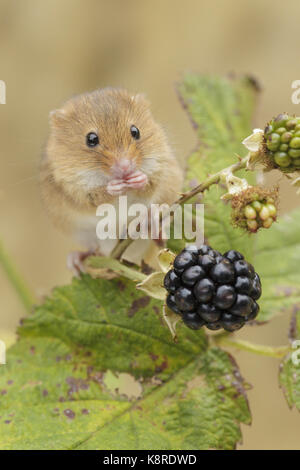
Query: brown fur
[[110, 113]]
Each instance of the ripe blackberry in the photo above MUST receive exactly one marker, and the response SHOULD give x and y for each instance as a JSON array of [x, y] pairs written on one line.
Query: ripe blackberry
[[172, 281], [282, 140], [210, 289], [192, 320], [184, 299]]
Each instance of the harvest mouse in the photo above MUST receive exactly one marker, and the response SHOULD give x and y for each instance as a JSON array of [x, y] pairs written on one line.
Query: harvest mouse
[[104, 144]]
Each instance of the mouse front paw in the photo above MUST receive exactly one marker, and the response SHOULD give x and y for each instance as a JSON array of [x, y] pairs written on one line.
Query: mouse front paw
[[137, 180], [116, 187]]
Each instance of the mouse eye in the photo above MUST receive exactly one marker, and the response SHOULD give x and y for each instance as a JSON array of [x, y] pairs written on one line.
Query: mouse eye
[[92, 139], [135, 132]]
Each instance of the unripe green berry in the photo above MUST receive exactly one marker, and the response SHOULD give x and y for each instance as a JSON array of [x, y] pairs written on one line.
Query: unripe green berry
[[272, 210], [256, 205], [286, 137], [250, 213], [273, 138], [280, 120], [282, 159], [252, 225], [295, 143], [296, 162], [253, 206], [291, 124], [267, 223], [283, 147], [264, 213], [294, 153], [282, 142]]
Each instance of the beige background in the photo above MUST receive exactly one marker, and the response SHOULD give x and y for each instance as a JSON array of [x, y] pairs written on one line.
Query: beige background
[[52, 49]]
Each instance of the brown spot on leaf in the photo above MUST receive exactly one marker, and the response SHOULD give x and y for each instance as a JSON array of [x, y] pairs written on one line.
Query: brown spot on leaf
[[156, 310], [238, 383], [162, 366], [69, 413], [10, 382], [45, 393], [121, 286], [153, 356], [7, 421], [137, 304], [146, 269], [292, 334], [76, 384], [97, 377], [84, 411], [3, 392]]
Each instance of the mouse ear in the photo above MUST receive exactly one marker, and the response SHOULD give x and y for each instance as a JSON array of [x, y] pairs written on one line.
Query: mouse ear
[[57, 116], [141, 98]]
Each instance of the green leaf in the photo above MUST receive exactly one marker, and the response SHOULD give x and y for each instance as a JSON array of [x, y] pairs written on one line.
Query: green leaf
[[277, 262], [94, 368], [221, 111], [289, 374]]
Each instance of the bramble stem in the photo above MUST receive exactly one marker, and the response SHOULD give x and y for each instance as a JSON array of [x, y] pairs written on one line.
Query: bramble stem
[[122, 246], [102, 262], [24, 293], [262, 350]]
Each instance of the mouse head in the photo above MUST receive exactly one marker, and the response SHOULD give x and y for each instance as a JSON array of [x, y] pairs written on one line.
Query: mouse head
[[107, 138]]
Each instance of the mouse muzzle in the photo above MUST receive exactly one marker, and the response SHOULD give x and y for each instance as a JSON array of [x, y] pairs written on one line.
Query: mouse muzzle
[[125, 175]]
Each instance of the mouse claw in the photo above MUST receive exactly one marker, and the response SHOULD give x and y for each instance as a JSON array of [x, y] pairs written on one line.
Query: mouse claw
[[75, 261]]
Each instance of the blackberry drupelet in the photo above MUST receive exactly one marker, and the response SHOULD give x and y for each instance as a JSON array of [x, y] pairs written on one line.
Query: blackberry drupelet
[[210, 289]]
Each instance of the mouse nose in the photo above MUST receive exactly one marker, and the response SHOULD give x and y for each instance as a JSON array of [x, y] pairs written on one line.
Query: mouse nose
[[123, 167]]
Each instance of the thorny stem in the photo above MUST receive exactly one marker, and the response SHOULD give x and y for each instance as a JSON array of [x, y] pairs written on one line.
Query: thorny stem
[[26, 297], [262, 350], [122, 246]]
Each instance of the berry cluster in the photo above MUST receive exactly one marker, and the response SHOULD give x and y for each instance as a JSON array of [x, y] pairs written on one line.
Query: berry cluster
[[207, 288], [260, 214], [254, 208], [282, 136]]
